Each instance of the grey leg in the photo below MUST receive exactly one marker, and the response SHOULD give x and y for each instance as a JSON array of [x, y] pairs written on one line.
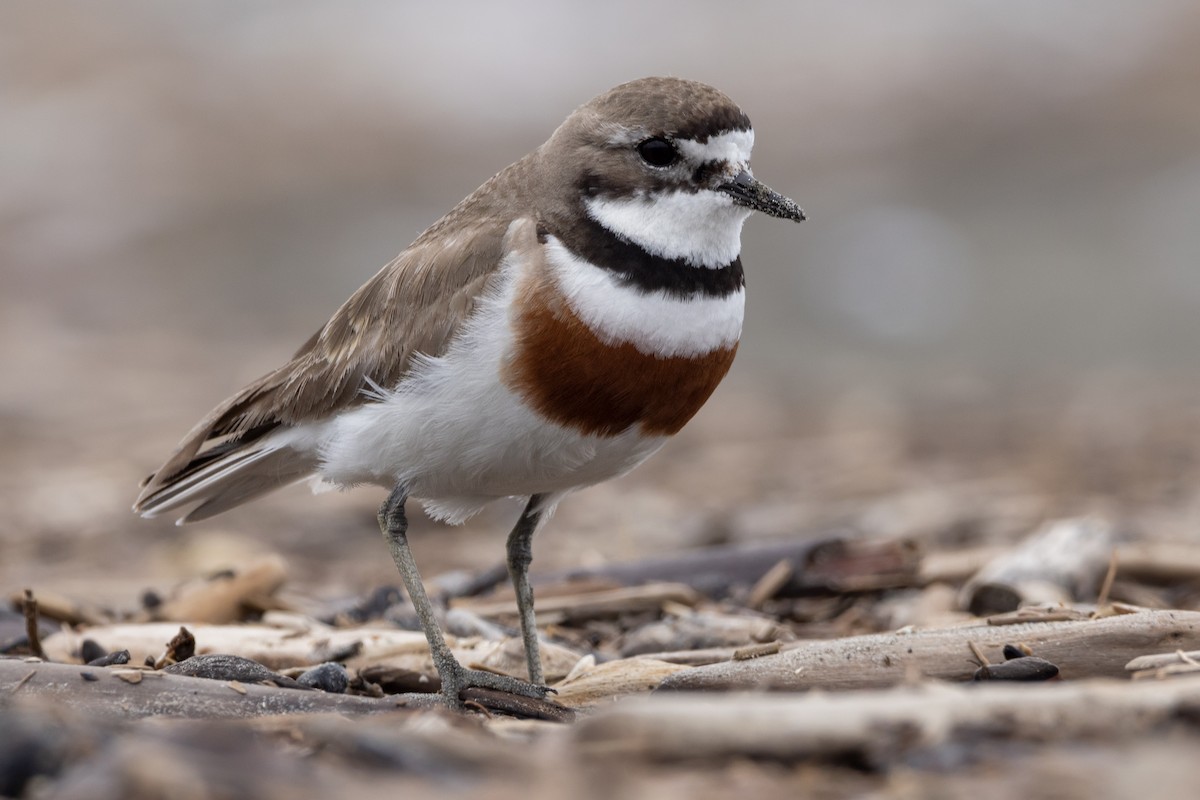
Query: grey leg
[[520, 555], [394, 525], [455, 678]]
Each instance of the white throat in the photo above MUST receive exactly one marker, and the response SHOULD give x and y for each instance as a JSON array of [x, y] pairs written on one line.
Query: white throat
[[702, 228]]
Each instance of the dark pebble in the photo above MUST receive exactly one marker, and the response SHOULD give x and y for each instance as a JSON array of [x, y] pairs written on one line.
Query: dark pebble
[[91, 650], [328, 677], [110, 660], [1029, 668]]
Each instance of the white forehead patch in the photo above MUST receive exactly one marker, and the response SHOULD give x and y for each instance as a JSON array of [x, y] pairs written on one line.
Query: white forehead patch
[[732, 146], [703, 228], [656, 323]]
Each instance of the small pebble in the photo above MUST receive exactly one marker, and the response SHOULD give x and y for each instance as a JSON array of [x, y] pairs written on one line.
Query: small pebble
[[90, 650], [1029, 668], [328, 677], [112, 659]]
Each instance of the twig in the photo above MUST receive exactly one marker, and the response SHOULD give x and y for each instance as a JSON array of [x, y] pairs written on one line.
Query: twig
[[770, 583], [1109, 577], [980, 658], [756, 651], [517, 705], [30, 607], [16, 686], [475, 705]]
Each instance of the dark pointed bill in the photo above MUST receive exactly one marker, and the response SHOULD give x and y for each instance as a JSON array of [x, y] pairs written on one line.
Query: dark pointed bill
[[747, 191]]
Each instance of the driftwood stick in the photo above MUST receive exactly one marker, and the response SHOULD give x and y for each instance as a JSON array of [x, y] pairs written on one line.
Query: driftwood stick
[[832, 564], [596, 684], [956, 566], [1061, 562], [1080, 648], [697, 727], [1156, 660], [591, 604], [112, 693], [1160, 562]]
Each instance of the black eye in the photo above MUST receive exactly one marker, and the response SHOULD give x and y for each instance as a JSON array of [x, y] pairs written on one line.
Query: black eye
[[658, 152]]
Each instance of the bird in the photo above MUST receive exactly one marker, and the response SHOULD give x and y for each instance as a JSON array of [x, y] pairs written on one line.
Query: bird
[[550, 332]]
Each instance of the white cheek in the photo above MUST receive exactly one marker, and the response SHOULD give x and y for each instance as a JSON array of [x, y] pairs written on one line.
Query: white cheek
[[655, 323], [703, 228]]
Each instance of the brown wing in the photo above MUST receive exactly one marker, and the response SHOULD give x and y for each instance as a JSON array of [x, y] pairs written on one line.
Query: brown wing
[[413, 305]]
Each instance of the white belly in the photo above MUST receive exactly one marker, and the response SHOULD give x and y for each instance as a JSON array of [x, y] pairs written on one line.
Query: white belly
[[459, 439]]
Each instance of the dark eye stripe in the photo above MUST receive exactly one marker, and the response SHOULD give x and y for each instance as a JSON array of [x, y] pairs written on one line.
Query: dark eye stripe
[[703, 172]]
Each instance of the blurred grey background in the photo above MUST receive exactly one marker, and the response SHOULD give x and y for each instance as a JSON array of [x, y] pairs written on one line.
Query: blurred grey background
[[991, 186], [998, 192]]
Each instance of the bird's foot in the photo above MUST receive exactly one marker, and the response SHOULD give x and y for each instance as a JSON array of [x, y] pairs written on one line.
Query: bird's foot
[[456, 678]]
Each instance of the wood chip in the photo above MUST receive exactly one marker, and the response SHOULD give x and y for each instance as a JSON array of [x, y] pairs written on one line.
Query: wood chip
[[181, 647], [225, 597], [237, 687], [129, 675]]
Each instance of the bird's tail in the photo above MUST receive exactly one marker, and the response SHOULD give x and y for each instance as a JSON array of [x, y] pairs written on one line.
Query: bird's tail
[[225, 475]]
